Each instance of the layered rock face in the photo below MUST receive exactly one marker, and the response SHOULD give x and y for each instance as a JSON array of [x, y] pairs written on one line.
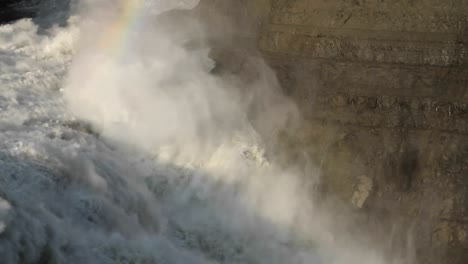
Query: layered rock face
[[383, 88]]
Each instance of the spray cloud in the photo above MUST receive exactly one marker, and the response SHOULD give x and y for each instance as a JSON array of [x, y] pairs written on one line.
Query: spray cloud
[[186, 179]]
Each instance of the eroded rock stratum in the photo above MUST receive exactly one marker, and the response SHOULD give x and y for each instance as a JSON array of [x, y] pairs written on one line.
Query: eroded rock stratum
[[383, 87]]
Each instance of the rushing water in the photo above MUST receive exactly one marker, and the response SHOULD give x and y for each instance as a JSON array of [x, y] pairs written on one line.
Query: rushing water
[[140, 155]]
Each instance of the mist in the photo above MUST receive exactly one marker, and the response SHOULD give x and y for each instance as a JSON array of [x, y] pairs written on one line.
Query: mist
[[178, 164]]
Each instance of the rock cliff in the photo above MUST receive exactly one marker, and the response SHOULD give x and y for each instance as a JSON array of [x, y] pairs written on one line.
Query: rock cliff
[[383, 88]]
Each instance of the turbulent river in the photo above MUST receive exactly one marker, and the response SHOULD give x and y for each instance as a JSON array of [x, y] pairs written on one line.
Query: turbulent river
[[118, 145]]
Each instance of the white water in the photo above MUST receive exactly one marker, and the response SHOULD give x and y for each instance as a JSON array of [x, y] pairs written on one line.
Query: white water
[[177, 173]]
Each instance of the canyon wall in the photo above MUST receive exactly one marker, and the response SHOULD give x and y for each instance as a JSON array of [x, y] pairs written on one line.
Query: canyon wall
[[383, 88]]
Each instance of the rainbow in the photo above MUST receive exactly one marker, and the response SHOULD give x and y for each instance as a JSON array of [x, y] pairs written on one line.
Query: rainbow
[[116, 39]]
